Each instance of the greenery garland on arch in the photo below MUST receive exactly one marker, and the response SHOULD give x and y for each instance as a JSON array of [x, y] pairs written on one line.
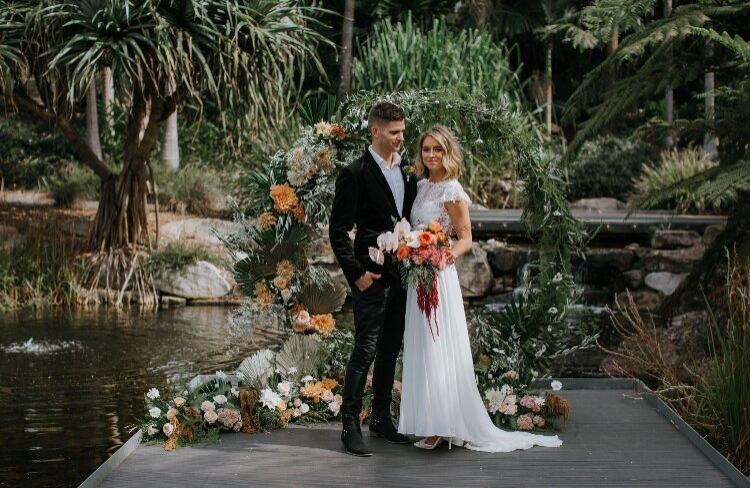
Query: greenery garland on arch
[[286, 203]]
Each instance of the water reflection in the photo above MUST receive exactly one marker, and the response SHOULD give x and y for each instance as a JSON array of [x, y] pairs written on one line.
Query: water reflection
[[70, 383]]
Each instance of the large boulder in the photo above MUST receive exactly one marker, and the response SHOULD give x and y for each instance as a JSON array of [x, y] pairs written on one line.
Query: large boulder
[[664, 281], [609, 257], [474, 273], [505, 258], [675, 239], [597, 204], [644, 300], [672, 260], [632, 278], [197, 230], [199, 280]]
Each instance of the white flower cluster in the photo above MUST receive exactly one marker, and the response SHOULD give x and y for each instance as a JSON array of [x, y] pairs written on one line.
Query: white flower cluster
[[502, 400]]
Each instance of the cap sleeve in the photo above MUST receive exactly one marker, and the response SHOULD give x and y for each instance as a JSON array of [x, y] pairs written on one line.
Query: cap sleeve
[[454, 192]]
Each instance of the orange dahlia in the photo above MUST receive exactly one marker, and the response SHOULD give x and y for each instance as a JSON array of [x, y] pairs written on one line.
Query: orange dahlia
[[266, 220], [337, 132], [299, 213], [322, 323], [284, 198], [285, 269], [263, 298], [329, 383], [425, 239]]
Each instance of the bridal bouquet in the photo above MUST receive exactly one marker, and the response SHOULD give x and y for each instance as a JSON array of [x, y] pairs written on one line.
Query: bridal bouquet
[[420, 253]]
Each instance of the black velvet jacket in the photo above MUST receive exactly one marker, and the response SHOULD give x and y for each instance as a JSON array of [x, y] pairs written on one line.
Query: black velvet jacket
[[364, 199]]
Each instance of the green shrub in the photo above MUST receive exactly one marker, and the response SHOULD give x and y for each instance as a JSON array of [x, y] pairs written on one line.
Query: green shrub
[[29, 152], [74, 182], [606, 167], [192, 188], [673, 167], [178, 255]]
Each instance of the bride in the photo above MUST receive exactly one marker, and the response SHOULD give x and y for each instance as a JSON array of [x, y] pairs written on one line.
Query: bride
[[439, 399]]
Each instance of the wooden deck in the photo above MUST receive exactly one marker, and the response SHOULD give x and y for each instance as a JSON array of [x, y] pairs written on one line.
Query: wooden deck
[[612, 223], [613, 439]]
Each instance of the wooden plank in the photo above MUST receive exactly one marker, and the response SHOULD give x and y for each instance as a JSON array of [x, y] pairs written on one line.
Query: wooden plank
[[612, 439]]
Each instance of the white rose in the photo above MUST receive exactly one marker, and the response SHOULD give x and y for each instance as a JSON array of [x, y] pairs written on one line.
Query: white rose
[[220, 399], [338, 399], [155, 412], [304, 408], [556, 385], [207, 406], [296, 412], [210, 416], [285, 388], [153, 394], [334, 408], [167, 429], [179, 401]]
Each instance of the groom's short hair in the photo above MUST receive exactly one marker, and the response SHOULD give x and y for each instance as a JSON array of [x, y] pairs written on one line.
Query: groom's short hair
[[384, 112]]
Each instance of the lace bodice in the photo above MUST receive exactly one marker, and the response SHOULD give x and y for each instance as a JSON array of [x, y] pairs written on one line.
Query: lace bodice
[[430, 199]]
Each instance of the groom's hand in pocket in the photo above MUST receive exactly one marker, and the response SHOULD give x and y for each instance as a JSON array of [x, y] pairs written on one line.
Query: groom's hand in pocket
[[366, 280]]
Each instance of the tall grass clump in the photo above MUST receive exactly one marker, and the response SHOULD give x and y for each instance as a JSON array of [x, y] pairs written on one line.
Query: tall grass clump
[[179, 255], [38, 273], [673, 167], [193, 189], [406, 56]]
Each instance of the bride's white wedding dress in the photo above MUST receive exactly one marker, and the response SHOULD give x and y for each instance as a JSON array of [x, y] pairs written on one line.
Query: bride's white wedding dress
[[439, 392]]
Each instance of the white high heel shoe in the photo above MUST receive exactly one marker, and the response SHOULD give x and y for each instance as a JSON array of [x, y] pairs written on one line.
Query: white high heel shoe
[[424, 445]]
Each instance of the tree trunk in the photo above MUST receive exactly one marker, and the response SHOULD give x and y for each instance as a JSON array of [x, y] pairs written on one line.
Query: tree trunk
[[347, 36], [170, 152], [92, 121], [614, 40], [668, 92], [108, 99], [548, 88], [710, 141]]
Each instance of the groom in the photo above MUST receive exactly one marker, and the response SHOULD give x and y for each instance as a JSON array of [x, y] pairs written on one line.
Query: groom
[[372, 193]]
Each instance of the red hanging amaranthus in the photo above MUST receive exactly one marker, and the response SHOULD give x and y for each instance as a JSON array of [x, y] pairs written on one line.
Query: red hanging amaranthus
[[428, 303]]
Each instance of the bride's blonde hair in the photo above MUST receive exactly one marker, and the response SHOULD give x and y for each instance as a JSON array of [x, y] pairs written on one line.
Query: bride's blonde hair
[[452, 156]]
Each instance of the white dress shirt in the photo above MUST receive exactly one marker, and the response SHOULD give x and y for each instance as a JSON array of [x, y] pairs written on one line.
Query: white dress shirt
[[393, 176]]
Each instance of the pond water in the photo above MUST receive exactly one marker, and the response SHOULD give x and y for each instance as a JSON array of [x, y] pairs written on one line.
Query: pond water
[[72, 382]]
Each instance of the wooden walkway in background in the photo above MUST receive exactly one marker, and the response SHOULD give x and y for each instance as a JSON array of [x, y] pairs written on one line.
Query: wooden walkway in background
[[489, 223], [613, 439]]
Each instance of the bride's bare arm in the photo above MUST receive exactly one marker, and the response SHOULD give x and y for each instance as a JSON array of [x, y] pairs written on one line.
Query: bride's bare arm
[[459, 214]]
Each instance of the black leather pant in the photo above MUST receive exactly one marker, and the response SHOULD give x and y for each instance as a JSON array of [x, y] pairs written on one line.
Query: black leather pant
[[378, 334]]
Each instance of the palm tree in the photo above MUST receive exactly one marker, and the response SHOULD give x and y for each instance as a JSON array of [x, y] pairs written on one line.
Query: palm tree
[[247, 55], [347, 39], [170, 151], [92, 121], [108, 99]]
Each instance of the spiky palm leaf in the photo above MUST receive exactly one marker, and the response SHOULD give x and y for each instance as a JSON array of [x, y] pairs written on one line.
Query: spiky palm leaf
[[302, 352], [322, 298], [262, 264], [256, 369]]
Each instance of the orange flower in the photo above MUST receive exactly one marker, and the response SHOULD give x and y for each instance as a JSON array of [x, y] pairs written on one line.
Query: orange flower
[[266, 220], [425, 239], [284, 198], [281, 282], [329, 383], [441, 237], [299, 213], [322, 323], [323, 158], [402, 252], [337, 131], [285, 269], [263, 298], [296, 309], [313, 391], [434, 226]]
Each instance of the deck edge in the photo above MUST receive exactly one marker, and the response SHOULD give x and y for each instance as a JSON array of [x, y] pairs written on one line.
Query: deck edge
[[722, 463], [111, 464]]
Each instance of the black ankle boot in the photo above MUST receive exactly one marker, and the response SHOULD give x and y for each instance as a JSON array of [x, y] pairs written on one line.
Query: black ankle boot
[[351, 437], [381, 425]]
